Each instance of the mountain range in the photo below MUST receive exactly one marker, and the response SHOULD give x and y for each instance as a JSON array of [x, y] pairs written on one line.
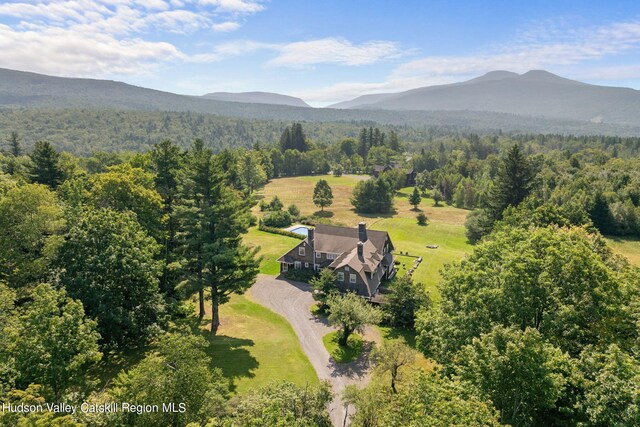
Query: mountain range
[[257, 98], [534, 93], [536, 101]]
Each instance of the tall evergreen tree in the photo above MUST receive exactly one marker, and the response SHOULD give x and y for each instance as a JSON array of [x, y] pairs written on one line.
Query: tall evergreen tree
[[363, 145], [46, 165], [14, 142], [512, 183], [167, 162], [285, 140], [214, 218], [601, 214]]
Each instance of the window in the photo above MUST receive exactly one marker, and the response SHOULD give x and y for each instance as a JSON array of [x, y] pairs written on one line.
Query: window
[[340, 276], [285, 267], [301, 251], [317, 254], [352, 278], [332, 256], [306, 265], [297, 265], [346, 269]]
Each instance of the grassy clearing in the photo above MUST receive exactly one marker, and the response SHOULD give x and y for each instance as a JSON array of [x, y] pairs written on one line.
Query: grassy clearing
[[408, 236], [628, 247], [445, 227], [255, 346], [343, 354], [272, 246]]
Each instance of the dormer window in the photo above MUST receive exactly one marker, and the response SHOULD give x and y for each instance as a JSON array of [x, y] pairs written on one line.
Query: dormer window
[[301, 251]]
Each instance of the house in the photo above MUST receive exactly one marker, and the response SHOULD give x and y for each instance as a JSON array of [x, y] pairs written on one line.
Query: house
[[410, 176], [359, 258], [376, 170]]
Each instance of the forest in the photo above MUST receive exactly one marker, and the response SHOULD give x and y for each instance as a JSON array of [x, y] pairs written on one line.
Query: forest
[[538, 326]]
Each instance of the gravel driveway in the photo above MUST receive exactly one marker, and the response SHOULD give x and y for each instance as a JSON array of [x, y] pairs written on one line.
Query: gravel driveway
[[293, 301]]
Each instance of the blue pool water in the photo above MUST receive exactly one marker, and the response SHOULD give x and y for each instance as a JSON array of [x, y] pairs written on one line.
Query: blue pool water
[[301, 230]]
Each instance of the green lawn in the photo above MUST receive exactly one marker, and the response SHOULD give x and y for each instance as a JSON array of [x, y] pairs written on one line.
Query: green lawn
[[628, 247], [343, 354], [255, 346], [272, 246], [445, 227], [408, 236]]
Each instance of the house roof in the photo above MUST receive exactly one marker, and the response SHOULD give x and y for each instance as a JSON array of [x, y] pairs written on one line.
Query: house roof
[[337, 240]]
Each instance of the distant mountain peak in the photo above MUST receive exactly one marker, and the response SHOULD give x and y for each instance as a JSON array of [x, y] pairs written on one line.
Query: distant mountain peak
[[545, 76], [495, 75], [257, 98]]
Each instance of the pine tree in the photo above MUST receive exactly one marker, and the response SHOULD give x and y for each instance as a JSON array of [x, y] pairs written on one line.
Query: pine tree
[[14, 142], [285, 140], [46, 165], [363, 145], [415, 198], [601, 214], [214, 218], [512, 183], [167, 162]]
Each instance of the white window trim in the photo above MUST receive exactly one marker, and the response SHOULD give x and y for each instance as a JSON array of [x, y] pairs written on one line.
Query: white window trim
[[297, 265], [340, 276], [317, 254], [285, 267], [332, 256], [352, 278], [306, 265], [301, 251], [346, 269]]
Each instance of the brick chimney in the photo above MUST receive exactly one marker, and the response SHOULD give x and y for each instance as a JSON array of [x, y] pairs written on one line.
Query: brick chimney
[[310, 236], [362, 232], [360, 250]]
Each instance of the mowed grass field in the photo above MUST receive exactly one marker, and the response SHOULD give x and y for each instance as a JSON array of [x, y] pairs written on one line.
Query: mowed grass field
[[445, 227], [255, 346], [628, 247]]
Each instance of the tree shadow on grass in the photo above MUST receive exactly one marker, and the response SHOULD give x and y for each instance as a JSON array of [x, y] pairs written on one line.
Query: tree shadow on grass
[[393, 212], [231, 355], [323, 214]]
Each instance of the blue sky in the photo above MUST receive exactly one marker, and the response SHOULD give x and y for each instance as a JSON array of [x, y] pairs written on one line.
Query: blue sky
[[322, 51]]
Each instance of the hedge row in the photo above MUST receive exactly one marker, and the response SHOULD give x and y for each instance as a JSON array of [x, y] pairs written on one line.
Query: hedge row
[[275, 230]]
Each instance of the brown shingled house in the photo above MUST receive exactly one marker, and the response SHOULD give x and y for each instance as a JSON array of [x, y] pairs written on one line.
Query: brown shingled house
[[360, 258]]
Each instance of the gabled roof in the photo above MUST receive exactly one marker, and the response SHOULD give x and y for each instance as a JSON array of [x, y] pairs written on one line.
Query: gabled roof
[[333, 239]]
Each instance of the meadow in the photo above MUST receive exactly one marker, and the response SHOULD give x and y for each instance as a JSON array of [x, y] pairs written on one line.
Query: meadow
[[445, 227]]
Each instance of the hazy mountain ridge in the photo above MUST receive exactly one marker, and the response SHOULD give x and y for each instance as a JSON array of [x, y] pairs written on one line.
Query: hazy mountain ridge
[[19, 90], [535, 93], [257, 98]]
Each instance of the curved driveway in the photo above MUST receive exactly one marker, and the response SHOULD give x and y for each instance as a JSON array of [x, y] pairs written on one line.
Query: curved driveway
[[293, 300]]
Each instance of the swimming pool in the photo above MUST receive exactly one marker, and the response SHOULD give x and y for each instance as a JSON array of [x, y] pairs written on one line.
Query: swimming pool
[[300, 230]]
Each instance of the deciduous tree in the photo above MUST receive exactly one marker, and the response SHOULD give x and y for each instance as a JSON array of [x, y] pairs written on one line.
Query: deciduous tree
[[350, 313], [322, 194]]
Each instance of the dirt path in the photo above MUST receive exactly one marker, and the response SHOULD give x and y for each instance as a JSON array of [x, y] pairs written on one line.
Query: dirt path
[[293, 301]]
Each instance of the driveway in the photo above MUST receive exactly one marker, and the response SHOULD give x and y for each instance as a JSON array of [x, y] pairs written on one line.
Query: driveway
[[293, 301]]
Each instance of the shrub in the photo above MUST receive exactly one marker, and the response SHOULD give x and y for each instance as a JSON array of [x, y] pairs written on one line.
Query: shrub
[[280, 231], [293, 211], [264, 206], [337, 171], [276, 204], [277, 219], [422, 219]]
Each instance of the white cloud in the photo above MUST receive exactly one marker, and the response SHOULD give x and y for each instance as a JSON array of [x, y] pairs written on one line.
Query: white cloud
[[548, 46], [333, 51], [68, 53], [225, 27], [235, 6], [107, 37]]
